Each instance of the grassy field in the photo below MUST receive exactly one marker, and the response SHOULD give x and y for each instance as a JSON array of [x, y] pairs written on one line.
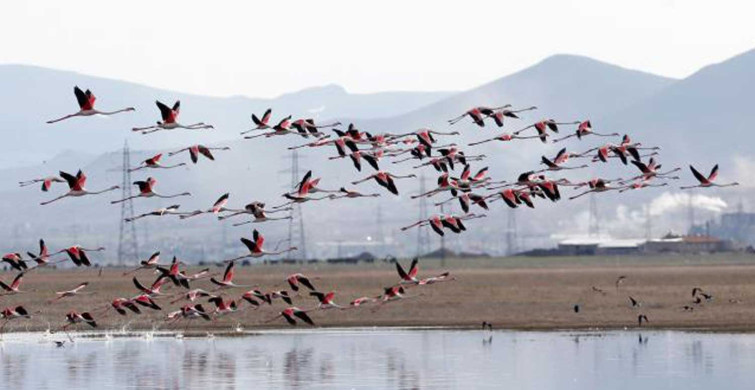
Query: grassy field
[[522, 293]]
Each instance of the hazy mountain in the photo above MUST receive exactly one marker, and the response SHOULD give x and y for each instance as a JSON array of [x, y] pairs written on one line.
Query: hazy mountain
[[39, 94]]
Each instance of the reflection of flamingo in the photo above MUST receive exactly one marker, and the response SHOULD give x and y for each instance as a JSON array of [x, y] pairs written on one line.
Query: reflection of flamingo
[[86, 106]]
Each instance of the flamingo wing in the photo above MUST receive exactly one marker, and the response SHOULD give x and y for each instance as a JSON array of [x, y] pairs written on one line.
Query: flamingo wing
[[206, 152], [713, 173], [702, 179], [165, 112]]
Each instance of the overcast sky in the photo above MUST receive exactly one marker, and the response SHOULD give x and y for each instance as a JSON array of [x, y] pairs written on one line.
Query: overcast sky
[[266, 48]]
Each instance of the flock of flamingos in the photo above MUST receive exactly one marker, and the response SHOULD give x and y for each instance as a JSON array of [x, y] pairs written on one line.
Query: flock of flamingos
[[476, 190]]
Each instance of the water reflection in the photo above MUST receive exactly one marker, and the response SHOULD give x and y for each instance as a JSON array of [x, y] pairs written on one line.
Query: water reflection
[[388, 359]]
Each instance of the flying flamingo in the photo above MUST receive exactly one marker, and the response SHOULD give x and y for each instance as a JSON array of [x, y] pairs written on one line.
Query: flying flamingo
[[154, 289], [223, 307], [411, 276], [15, 261], [78, 254], [445, 183], [227, 281], [499, 115], [255, 247], [385, 179], [193, 295], [361, 301], [86, 106], [599, 186], [259, 213], [325, 301], [308, 126], [146, 191], [641, 183], [282, 128], [154, 163], [295, 199], [121, 304], [11, 313], [150, 263], [561, 158], [70, 293], [170, 210], [584, 129], [351, 194], [707, 182], [294, 280], [74, 317], [322, 141], [543, 126], [261, 124], [477, 114], [466, 200], [146, 301], [43, 257], [292, 313], [13, 288], [251, 294], [216, 208], [504, 137], [444, 277], [425, 136], [435, 222], [196, 150], [190, 312], [650, 170], [46, 182], [169, 116], [76, 187]]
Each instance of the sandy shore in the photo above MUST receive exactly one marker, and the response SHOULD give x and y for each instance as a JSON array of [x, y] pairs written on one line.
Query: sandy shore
[[518, 295]]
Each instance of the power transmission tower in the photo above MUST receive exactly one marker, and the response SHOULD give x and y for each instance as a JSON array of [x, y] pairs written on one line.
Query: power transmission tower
[[594, 223], [379, 235], [296, 235], [511, 234], [691, 212], [127, 238], [423, 234], [648, 223]]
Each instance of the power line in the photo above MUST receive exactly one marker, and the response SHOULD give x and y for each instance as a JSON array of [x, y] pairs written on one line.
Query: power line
[[423, 234], [127, 238]]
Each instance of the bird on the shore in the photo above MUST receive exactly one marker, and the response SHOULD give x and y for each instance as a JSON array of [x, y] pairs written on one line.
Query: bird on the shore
[[86, 101], [619, 281], [634, 302], [76, 187], [576, 308], [641, 318], [707, 182], [487, 326], [169, 117]]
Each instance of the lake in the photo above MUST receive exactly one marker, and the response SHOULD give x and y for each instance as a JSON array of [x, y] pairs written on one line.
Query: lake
[[384, 359]]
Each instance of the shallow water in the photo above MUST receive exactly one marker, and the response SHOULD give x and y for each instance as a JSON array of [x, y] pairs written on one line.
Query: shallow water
[[385, 359]]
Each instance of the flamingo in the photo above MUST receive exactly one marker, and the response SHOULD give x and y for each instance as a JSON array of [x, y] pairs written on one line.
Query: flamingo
[[76, 187], [196, 150], [650, 170], [325, 301], [170, 210], [294, 280], [13, 288], [361, 301], [43, 257], [261, 124], [251, 294], [86, 106], [707, 182], [543, 126], [223, 307], [599, 186], [146, 191], [435, 222], [500, 114], [304, 126], [121, 304], [15, 261], [257, 209], [154, 289], [191, 312], [169, 116], [151, 262], [74, 317], [282, 128], [70, 293], [504, 137], [193, 295], [385, 179], [146, 301], [173, 273], [584, 129], [357, 156], [425, 136], [78, 254], [46, 182], [444, 277], [445, 183], [292, 313], [322, 141], [154, 163], [11, 313], [466, 199], [411, 276], [255, 247], [216, 208], [392, 294], [642, 183], [477, 114], [227, 281], [351, 194], [294, 199], [561, 158]]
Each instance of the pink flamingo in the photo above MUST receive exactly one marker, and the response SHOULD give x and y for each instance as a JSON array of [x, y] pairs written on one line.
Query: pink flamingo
[[86, 106], [76, 187]]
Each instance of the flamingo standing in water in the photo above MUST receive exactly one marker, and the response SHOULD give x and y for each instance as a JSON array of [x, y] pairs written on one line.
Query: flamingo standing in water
[[385, 179], [255, 247], [169, 116], [46, 182], [196, 150], [170, 210], [584, 129], [707, 182], [146, 191], [154, 163], [86, 106], [76, 187], [260, 123]]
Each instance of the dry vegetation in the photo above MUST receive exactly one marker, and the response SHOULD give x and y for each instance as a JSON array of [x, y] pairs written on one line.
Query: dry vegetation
[[510, 293]]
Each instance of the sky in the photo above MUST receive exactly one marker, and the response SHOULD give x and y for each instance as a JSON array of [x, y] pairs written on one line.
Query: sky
[[266, 48]]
